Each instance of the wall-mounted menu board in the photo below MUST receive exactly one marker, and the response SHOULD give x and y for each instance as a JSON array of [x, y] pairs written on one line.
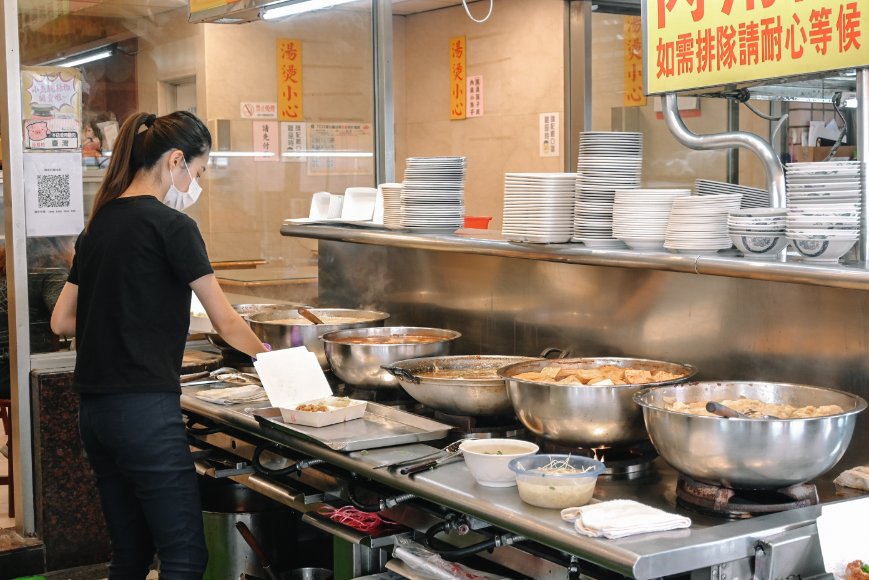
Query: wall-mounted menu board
[[692, 44]]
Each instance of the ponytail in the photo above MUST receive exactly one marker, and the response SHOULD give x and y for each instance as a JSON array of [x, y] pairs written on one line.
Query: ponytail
[[136, 149]]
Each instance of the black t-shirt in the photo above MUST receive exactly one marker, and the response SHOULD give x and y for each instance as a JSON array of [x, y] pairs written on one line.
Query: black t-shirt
[[133, 268]]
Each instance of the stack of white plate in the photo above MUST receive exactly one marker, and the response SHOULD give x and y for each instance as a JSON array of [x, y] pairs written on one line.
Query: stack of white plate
[[698, 224], [758, 232], [640, 216], [391, 204], [751, 196], [833, 182], [433, 192], [607, 161], [538, 207]]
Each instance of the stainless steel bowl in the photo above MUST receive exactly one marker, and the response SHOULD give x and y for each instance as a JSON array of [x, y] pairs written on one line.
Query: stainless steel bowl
[[583, 415], [245, 310], [750, 453], [361, 365], [283, 335], [465, 391]]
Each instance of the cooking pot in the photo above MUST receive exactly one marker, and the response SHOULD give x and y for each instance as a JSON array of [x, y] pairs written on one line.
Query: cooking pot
[[361, 364], [584, 415], [244, 310], [268, 328], [459, 385], [750, 453]]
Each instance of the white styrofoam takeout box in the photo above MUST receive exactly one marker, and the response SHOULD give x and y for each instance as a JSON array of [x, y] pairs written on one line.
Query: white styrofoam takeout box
[[340, 409]]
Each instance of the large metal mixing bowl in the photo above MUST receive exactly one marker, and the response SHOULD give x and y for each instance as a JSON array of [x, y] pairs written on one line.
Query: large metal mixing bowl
[[750, 453], [360, 365], [584, 415], [268, 329], [245, 310], [465, 391]]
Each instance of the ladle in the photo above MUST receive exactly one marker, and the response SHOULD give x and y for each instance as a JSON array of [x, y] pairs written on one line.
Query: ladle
[[308, 315], [729, 413]]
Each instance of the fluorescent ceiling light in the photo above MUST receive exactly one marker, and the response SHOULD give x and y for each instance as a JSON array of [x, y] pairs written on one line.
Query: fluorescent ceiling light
[[299, 7], [327, 154], [75, 61]]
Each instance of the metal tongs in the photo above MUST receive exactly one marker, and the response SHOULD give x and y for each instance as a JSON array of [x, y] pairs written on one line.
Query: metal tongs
[[449, 454], [221, 375]]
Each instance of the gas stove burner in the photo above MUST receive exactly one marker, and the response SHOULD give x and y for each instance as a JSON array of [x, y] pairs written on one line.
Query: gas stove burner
[[483, 427], [742, 503], [626, 462]]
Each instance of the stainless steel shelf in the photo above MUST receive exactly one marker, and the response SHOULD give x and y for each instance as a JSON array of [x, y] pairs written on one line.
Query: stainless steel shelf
[[853, 276]]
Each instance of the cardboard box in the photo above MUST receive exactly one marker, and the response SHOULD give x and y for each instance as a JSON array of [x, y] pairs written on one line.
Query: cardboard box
[[805, 154], [340, 409]]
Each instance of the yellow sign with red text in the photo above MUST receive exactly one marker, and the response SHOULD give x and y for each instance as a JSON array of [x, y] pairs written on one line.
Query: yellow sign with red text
[[290, 80], [458, 78], [692, 44], [633, 42]]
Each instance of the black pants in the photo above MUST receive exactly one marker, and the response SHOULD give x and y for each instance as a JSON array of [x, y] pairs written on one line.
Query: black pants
[[147, 483]]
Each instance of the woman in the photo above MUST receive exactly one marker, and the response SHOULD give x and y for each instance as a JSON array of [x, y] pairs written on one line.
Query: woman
[[127, 300]]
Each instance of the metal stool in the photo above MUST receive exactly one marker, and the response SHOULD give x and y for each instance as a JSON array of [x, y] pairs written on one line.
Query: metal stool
[[8, 480]]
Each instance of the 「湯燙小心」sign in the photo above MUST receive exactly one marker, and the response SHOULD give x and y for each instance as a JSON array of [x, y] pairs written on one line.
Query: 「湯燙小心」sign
[[692, 44]]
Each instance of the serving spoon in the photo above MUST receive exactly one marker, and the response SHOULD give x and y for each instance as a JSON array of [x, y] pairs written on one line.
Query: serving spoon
[[730, 413], [308, 315]]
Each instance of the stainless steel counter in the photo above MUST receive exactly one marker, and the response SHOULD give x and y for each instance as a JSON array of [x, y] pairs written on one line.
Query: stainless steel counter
[[709, 542], [487, 243]]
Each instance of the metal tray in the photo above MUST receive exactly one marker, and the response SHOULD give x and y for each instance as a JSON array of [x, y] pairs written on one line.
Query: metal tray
[[380, 426]]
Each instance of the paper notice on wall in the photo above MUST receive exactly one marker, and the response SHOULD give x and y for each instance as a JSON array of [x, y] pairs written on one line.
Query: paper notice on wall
[[294, 139], [51, 107], [266, 140], [253, 110], [53, 194], [550, 134], [475, 96], [340, 149]]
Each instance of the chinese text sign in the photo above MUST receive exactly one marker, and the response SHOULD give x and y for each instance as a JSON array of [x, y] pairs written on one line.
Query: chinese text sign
[[290, 80], [633, 43], [457, 78], [703, 43]]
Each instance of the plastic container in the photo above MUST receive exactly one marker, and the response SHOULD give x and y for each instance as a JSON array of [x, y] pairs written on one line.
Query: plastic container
[[477, 222], [556, 490], [487, 459]]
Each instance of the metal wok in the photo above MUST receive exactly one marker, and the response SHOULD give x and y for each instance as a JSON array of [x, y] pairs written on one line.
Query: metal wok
[[584, 415], [244, 310], [284, 335], [750, 453], [471, 388]]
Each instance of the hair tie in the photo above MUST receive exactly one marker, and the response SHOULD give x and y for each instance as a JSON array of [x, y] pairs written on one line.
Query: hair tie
[[149, 120]]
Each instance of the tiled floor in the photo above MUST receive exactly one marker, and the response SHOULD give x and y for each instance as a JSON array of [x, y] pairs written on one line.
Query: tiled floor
[[5, 520]]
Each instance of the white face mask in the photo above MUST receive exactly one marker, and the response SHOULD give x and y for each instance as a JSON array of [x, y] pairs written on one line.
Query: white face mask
[[181, 200]]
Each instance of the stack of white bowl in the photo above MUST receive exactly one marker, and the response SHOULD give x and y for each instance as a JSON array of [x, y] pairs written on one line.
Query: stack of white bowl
[[433, 194], [607, 161], [698, 224], [751, 196], [391, 204], [640, 216], [538, 207], [758, 232], [823, 208]]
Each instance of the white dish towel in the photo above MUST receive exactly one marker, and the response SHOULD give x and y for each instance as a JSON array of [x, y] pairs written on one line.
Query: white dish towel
[[620, 518]]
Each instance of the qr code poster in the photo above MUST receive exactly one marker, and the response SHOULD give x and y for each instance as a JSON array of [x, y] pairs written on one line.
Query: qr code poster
[[53, 194]]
